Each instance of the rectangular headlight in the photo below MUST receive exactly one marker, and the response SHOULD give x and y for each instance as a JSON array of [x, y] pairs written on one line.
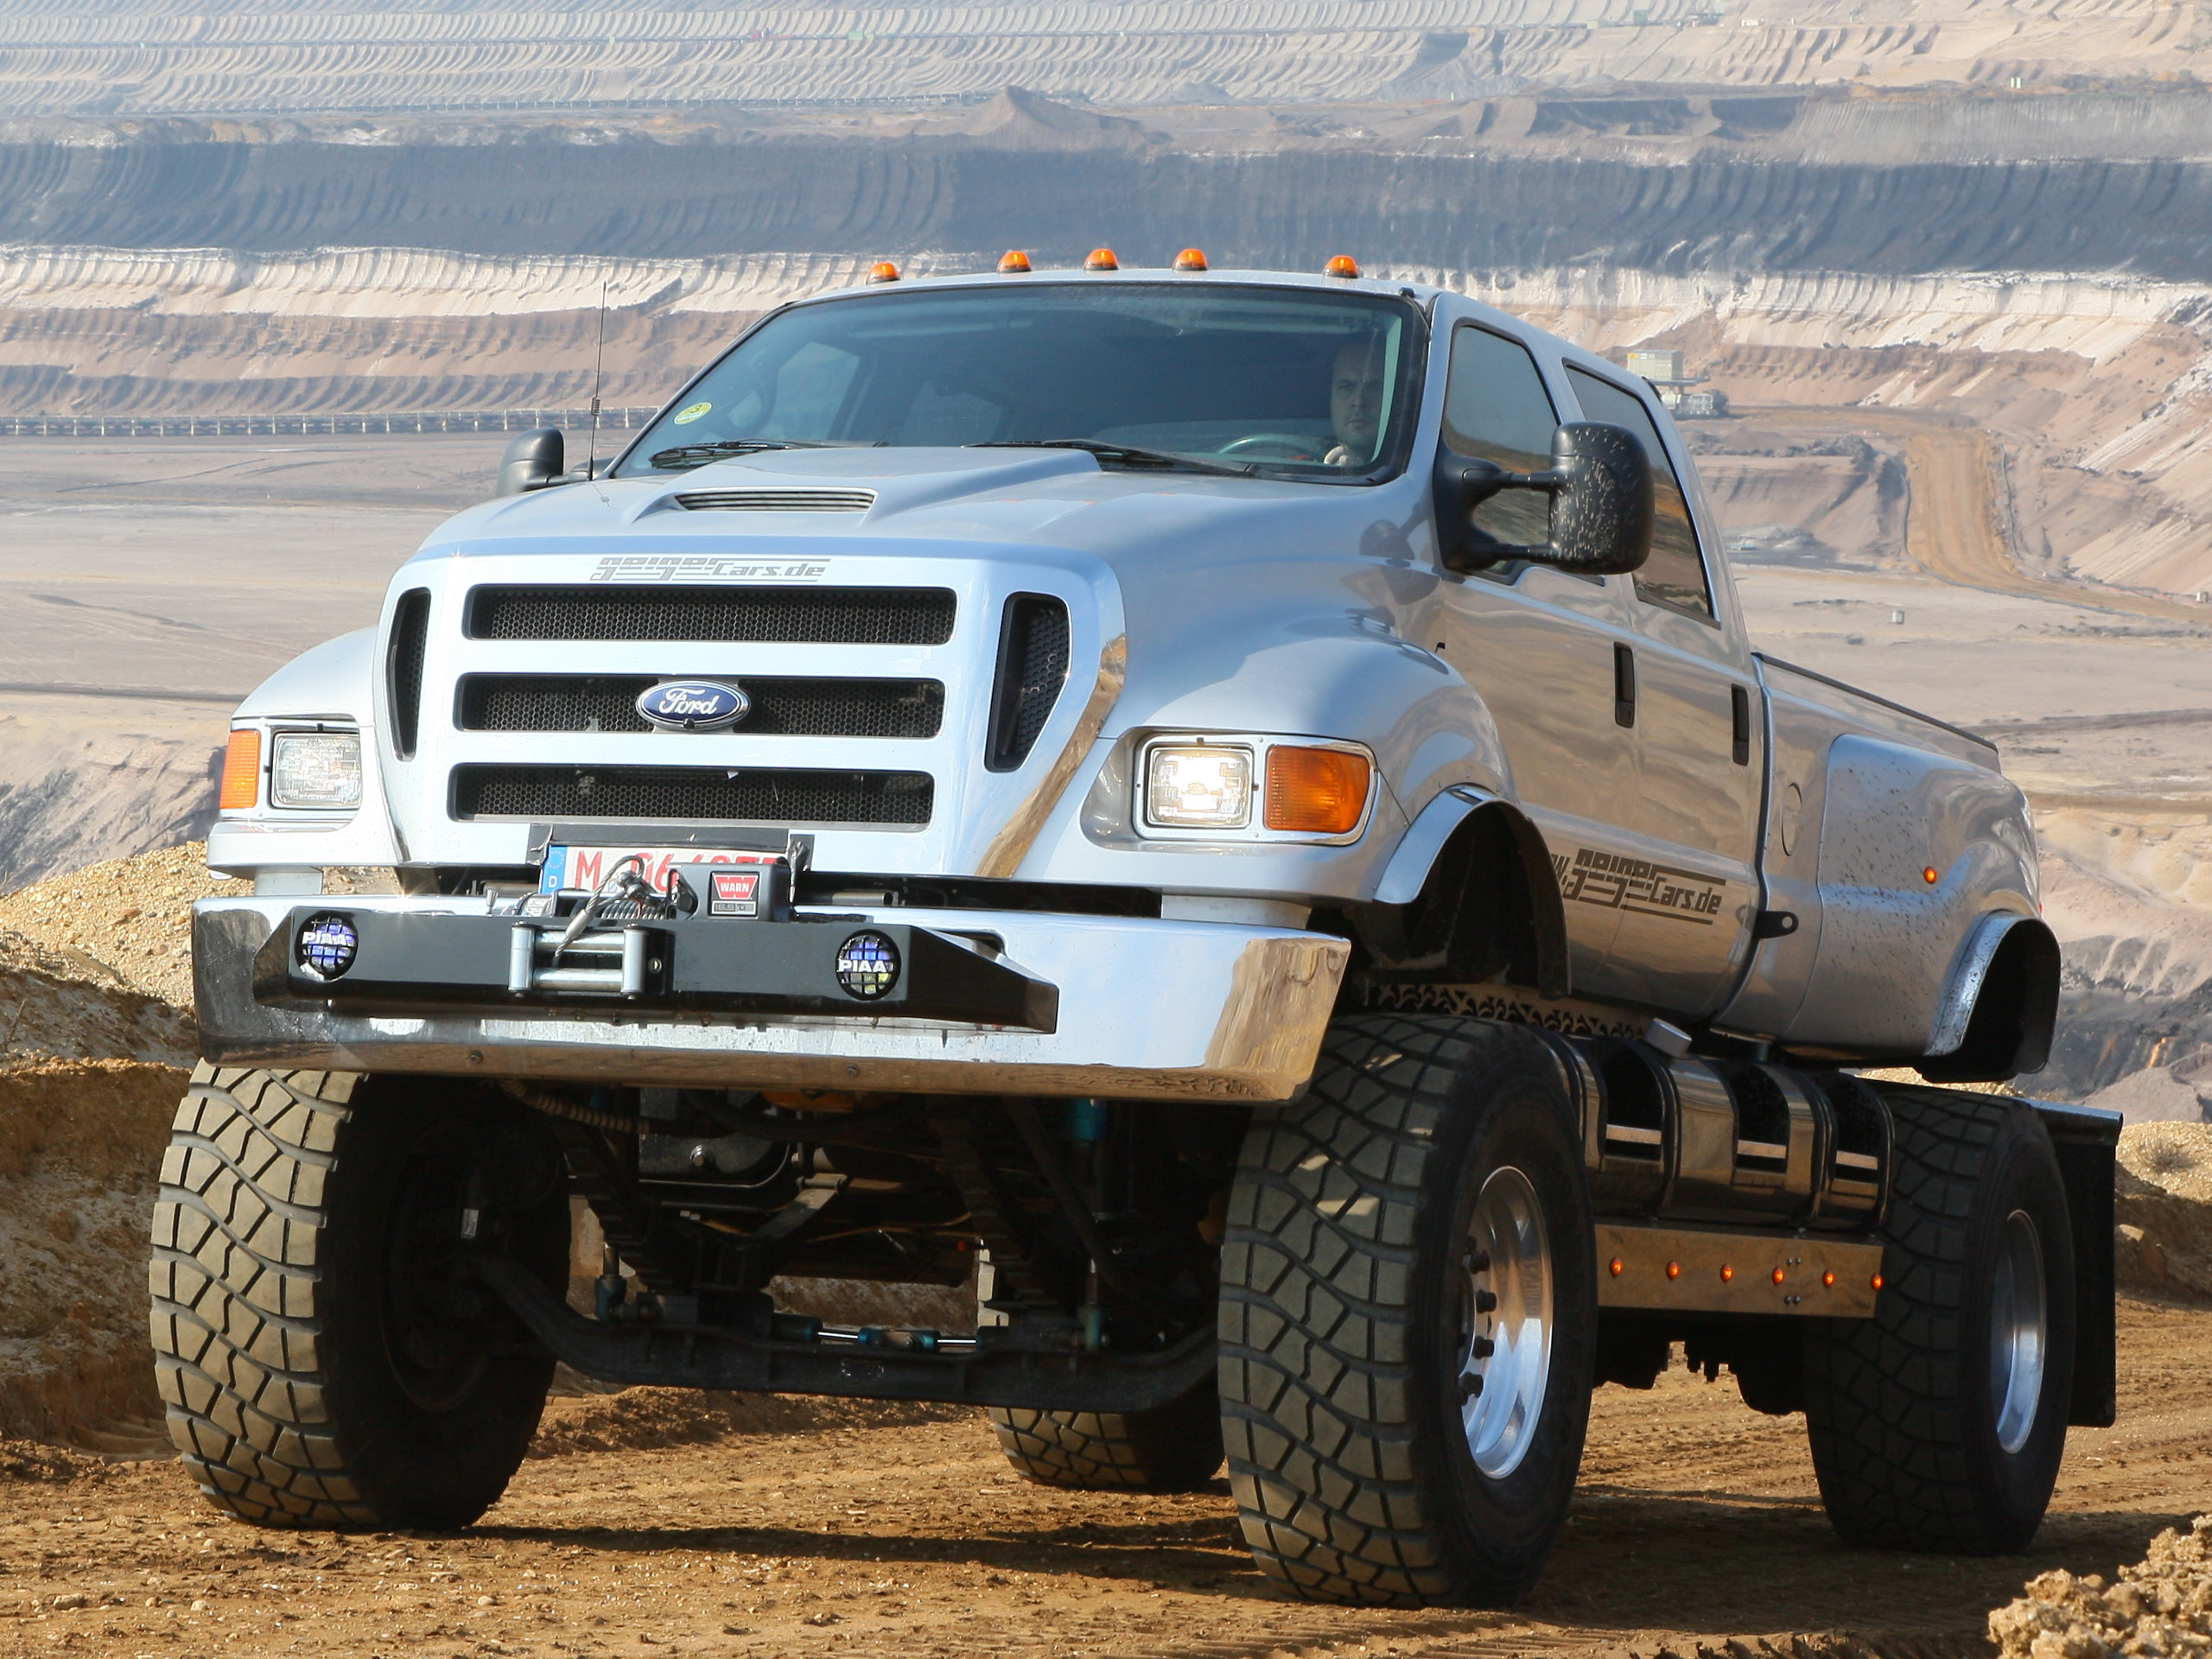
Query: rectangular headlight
[[316, 769], [1198, 786]]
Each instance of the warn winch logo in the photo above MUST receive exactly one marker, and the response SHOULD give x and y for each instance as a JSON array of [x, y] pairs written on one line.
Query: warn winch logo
[[1638, 887], [696, 567]]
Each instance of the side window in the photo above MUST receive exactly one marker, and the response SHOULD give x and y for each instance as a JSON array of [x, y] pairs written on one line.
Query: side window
[[1496, 409], [1675, 575]]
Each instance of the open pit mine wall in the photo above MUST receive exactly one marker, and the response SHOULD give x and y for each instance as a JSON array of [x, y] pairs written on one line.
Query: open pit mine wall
[[1294, 208]]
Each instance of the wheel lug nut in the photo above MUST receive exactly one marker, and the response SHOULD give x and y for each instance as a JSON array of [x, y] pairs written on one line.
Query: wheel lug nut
[[1484, 1348], [1485, 1302], [1470, 1386], [1476, 1259]]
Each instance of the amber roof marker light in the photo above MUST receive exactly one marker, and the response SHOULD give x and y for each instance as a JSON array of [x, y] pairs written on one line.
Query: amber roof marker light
[[883, 271], [1191, 259], [1013, 262], [1101, 259], [1343, 265]]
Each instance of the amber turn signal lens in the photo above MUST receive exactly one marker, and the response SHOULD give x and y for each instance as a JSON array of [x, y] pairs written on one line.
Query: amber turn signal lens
[[1191, 259], [1101, 259], [1343, 265], [241, 774], [1316, 791], [1013, 262], [883, 271]]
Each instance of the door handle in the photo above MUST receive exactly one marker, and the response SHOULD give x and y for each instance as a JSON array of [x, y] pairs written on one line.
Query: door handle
[[1739, 725], [1624, 685]]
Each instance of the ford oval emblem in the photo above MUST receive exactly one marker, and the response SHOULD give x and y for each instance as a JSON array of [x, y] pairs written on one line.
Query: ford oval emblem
[[693, 706]]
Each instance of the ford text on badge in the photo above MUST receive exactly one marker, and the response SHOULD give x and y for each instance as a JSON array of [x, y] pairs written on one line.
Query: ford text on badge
[[693, 706]]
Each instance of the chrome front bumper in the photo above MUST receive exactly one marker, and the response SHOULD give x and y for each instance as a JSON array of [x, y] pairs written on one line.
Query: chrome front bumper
[[1148, 1010]]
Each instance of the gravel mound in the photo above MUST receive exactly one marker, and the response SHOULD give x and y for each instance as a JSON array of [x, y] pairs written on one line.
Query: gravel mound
[[123, 926], [2160, 1607], [2162, 1206]]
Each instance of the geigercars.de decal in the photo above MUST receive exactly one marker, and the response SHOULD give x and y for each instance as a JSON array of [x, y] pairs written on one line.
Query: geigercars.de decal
[[700, 567], [1639, 886]]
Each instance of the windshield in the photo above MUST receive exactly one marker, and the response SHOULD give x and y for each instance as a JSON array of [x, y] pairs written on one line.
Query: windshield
[[1279, 381]]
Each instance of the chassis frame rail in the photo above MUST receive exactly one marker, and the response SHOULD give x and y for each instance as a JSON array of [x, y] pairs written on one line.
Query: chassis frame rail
[[992, 1373]]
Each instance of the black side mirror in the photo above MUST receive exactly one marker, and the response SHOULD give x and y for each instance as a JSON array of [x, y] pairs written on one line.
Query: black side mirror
[[533, 461], [1602, 508]]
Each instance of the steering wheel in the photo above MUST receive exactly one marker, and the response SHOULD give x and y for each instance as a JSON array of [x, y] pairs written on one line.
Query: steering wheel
[[1295, 447]]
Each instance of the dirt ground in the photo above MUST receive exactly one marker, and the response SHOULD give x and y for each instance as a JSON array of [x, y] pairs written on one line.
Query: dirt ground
[[1698, 1522]]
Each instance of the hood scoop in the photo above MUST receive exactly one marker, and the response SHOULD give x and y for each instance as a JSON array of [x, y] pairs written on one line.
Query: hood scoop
[[786, 500]]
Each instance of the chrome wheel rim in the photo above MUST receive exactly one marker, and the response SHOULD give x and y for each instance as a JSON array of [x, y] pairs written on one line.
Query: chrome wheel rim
[[1506, 1347], [2018, 1331]]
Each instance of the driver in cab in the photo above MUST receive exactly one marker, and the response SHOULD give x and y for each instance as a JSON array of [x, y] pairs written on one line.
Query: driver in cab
[[1356, 401]]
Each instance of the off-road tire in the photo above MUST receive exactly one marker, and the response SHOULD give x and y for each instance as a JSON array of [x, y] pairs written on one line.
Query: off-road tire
[[1172, 1448], [1344, 1256], [1900, 1407], [273, 1238]]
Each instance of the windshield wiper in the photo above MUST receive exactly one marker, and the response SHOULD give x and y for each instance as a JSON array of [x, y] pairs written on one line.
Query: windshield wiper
[[698, 455], [1125, 455]]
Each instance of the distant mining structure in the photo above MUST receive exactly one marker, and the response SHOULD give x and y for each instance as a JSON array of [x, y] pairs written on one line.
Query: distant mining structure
[[1958, 215]]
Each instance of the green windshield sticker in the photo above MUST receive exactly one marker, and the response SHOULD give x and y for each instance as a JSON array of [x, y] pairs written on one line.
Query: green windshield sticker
[[685, 416]]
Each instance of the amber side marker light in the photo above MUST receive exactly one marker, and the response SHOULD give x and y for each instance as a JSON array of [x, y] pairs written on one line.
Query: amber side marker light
[[1618, 1266], [1727, 1274], [1315, 791], [1101, 259], [883, 271], [1013, 262], [1827, 1279], [1343, 265], [1191, 259], [1777, 1275], [1930, 876], [1878, 1281], [241, 774], [1673, 1269]]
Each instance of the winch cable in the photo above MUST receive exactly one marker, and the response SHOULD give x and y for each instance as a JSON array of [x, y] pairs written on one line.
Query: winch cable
[[556, 1105]]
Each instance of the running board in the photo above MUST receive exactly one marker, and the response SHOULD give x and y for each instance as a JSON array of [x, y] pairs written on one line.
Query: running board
[[992, 1372], [1688, 1270]]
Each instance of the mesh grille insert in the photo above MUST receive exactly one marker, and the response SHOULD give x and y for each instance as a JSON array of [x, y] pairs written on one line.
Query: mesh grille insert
[[776, 500], [410, 635], [823, 616], [1032, 667], [707, 794], [793, 707]]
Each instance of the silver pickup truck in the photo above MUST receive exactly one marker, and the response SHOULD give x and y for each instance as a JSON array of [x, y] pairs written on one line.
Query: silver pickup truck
[[1233, 812]]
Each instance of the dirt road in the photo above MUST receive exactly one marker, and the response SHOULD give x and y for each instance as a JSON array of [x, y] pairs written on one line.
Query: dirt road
[[1954, 527], [1697, 1521]]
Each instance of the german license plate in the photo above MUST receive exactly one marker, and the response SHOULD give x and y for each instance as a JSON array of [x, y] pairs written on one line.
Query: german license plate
[[571, 869]]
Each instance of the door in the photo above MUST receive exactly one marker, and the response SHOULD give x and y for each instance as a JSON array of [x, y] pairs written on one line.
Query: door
[[1699, 742], [1538, 645]]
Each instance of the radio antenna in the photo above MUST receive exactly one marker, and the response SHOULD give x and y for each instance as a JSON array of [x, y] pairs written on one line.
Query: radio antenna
[[598, 380]]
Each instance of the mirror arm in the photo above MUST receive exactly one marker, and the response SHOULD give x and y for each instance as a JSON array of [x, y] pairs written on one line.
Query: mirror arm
[[1470, 482]]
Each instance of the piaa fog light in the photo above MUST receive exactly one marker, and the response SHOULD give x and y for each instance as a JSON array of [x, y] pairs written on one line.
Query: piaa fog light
[[867, 966], [1198, 786], [326, 945]]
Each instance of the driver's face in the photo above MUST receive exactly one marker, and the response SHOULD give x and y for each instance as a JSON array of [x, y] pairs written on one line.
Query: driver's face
[[1356, 396]]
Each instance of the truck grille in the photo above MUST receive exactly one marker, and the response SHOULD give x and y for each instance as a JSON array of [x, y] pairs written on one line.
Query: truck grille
[[1032, 666], [825, 616], [709, 794], [791, 707], [411, 634]]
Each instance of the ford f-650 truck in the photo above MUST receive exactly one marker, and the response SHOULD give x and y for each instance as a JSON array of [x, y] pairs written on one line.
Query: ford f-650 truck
[[1235, 811]]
